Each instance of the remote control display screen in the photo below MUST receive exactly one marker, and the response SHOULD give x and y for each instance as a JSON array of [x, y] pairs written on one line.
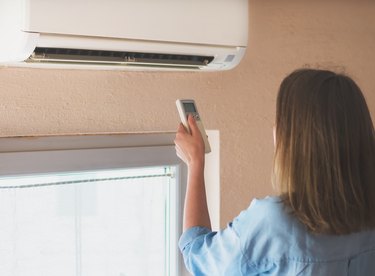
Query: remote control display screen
[[189, 108]]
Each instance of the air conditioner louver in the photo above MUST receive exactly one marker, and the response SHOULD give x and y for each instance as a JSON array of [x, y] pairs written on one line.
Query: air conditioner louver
[[82, 56]]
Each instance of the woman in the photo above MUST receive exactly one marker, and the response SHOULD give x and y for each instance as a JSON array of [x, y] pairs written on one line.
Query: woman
[[323, 221]]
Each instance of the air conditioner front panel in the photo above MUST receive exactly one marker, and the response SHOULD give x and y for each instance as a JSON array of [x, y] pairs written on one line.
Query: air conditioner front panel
[[211, 22], [207, 35]]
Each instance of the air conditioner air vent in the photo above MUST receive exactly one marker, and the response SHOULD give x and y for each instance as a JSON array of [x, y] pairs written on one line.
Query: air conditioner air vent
[[82, 56]]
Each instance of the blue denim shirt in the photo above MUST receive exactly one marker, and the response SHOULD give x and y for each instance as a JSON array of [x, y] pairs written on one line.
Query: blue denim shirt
[[266, 239]]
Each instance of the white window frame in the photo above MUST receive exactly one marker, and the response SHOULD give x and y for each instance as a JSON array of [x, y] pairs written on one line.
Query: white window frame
[[54, 154]]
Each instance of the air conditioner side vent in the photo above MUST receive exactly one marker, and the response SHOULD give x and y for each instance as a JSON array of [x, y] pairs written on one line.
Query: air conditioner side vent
[[82, 56]]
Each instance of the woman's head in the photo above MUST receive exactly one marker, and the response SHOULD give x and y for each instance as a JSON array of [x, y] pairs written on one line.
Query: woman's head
[[325, 152]]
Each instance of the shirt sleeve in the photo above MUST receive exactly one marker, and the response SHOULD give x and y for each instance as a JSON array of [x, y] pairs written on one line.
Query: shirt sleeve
[[212, 253]]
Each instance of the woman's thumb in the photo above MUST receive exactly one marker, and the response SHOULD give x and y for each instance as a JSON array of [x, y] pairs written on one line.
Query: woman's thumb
[[192, 124]]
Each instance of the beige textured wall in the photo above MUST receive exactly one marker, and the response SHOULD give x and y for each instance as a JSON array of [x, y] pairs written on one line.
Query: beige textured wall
[[284, 35]]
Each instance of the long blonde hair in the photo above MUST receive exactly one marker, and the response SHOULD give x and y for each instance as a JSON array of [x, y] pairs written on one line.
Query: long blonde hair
[[324, 158]]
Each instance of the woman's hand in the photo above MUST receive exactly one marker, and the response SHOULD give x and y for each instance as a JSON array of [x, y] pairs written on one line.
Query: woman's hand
[[190, 146]]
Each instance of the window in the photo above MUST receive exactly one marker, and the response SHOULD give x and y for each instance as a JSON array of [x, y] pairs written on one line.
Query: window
[[90, 205]]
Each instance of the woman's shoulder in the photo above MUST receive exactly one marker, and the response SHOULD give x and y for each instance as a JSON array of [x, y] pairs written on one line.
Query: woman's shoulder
[[263, 213], [266, 201], [268, 206]]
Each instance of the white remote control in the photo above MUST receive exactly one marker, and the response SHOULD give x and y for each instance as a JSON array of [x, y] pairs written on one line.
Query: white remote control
[[186, 107]]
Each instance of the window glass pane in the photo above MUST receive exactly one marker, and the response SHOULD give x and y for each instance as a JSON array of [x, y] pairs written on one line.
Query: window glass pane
[[89, 223]]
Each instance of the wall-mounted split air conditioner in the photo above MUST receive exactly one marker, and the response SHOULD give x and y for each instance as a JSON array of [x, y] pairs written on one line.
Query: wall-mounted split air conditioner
[[205, 35]]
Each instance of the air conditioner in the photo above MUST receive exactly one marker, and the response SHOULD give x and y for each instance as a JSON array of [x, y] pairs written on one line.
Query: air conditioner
[[206, 35]]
